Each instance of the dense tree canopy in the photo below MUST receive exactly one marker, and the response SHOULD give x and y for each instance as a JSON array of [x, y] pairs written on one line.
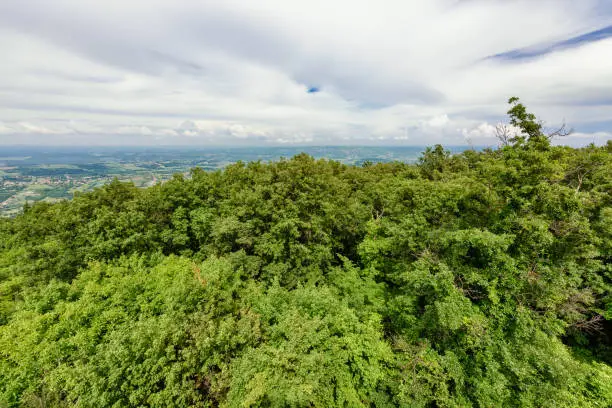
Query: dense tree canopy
[[478, 279]]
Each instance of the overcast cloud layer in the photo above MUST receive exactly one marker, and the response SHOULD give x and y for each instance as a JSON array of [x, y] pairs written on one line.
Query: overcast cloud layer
[[238, 72]]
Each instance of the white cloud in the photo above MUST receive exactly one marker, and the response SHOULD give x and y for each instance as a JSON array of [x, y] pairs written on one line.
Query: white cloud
[[237, 72], [5, 129], [482, 131], [438, 121]]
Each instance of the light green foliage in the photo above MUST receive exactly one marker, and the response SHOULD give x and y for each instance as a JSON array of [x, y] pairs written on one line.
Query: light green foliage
[[479, 279], [317, 352]]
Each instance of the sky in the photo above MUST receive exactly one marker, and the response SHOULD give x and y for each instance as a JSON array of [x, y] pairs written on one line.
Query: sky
[[296, 72]]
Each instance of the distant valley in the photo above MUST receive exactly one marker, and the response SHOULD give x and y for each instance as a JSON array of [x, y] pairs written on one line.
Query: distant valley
[[30, 174]]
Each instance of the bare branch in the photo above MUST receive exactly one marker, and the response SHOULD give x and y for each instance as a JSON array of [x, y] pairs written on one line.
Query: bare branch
[[561, 131], [378, 214], [502, 133], [591, 326]]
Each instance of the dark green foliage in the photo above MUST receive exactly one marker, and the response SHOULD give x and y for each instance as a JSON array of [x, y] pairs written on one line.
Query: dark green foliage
[[524, 120], [481, 279]]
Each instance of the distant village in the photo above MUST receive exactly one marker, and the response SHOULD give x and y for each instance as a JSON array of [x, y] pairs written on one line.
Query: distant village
[[16, 189]]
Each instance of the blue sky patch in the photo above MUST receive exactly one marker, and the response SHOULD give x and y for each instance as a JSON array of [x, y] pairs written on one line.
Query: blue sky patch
[[537, 51]]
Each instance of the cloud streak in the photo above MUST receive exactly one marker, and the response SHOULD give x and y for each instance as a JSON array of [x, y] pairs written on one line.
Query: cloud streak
[[537, 51], [316, 72]]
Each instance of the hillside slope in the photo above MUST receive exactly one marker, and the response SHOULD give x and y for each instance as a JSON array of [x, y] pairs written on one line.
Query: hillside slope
[[478, 279]]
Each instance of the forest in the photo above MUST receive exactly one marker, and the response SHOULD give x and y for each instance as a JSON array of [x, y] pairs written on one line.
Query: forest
[[477, 279]]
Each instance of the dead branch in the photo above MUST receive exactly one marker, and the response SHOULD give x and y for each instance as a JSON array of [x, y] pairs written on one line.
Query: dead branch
[[561, 131], [502, 133], [592, 325]]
